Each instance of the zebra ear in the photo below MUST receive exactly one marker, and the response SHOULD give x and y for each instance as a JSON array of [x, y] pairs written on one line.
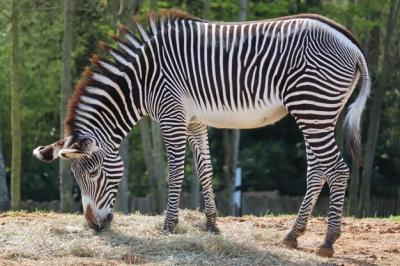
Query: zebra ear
[[50, 152], [78, 148]]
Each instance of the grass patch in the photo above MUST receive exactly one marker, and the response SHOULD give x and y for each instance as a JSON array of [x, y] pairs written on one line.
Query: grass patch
[[13, 213], [394, 218]]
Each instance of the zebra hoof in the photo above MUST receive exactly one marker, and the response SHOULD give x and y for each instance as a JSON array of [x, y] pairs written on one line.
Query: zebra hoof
[[166, 232], [325, 251], [211, 224], [169, 227], [213, 229], [290, 242]]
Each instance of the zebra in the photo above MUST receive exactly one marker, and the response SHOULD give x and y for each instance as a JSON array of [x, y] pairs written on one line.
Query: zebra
[[189, 74]]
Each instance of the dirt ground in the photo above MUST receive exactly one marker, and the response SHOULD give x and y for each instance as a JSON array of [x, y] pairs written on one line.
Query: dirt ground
[[64, 239], [363, 241]]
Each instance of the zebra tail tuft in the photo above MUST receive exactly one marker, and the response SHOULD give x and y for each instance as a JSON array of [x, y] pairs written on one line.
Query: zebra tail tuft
[[352, 122]]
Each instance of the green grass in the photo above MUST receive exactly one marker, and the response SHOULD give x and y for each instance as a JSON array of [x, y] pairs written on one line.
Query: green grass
[[394, 218]]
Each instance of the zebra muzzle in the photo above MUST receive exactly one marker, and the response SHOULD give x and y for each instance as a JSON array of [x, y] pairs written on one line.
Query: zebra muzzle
[[95, 223]]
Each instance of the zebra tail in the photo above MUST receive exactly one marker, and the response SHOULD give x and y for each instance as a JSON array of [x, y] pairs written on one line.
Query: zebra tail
[[352, 122]]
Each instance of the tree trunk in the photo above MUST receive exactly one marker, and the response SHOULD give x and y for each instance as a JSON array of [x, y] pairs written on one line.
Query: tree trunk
[[231, 141], [375, 116], [158, 150], [226, 205], [15, 112], [195, 196], [123, 190], [153, 5], [371, 52], [159, 164], [339, 123], [231, 148], [66, 180], [206, 9], [353, 190], [122, 13], [153, 155], [4, 200], [147, 146], [242, 10], [151, 139]]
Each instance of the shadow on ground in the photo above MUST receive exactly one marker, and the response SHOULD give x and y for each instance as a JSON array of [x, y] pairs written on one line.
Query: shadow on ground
[[192, 244]]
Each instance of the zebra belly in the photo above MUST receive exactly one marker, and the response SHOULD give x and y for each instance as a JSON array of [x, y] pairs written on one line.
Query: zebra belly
[[242, 119]]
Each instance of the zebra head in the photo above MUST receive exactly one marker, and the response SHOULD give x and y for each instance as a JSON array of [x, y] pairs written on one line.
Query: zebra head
[[96, 171]]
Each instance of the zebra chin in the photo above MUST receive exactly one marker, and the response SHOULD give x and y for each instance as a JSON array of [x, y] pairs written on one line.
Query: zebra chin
[[96, 220]]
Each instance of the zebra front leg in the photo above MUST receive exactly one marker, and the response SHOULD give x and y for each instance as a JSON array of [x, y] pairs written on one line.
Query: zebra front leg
[[174, 134], [198, 140], [337, 179]]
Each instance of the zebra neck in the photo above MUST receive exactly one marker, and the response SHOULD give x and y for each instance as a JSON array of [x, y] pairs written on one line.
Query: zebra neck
[[110, 104]]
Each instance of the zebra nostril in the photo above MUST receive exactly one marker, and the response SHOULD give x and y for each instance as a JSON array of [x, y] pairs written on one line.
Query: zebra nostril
[[94, 226], [109, 218], [107, 221]]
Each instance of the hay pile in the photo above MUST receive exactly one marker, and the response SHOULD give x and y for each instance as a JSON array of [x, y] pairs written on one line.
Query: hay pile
[[51, 238]]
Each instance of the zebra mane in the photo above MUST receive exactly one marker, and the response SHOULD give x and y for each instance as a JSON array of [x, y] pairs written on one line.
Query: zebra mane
[[156, 23], [128, 46]]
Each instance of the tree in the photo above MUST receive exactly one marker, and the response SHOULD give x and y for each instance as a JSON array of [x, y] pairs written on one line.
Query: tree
[[376, 112], [158, 149], [207, 9], [145, 135], [66, 180], [231, 139], [123, 192], [371, 52], [4, 200], [154, 155], [15, 111], [124, 12]]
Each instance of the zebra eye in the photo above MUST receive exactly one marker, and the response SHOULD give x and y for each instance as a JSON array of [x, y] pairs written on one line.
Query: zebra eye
[[112, 203], [94, 173]]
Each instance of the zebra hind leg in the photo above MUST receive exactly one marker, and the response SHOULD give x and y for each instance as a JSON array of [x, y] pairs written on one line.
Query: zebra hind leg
[[198, 140], [315, 182], [323, 145], [337, 179]]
